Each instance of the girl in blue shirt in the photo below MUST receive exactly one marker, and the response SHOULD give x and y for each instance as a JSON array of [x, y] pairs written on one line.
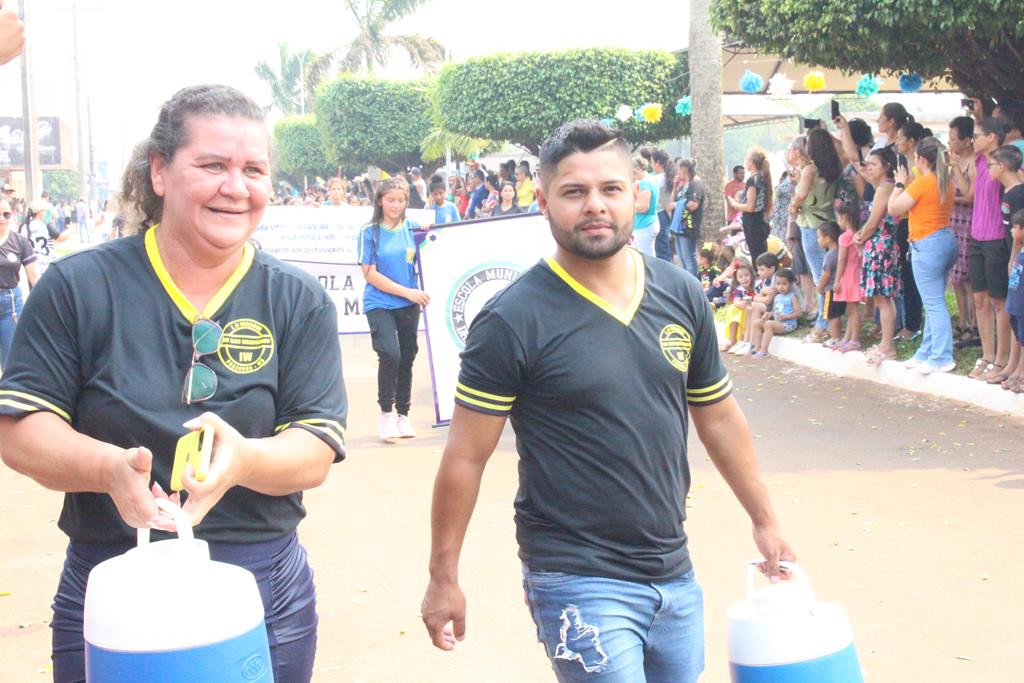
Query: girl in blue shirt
[[391, 302]]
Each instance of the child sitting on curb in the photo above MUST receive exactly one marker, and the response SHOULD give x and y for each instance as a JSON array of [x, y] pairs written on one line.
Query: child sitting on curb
[[783, 317], [740, 296], [764, 293]]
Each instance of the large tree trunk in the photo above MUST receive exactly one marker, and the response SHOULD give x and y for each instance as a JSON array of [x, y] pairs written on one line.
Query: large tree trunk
[[705, 55]]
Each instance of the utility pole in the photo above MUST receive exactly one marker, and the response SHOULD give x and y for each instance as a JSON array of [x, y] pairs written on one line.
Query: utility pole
[[92, 158], [82, 191], [30, 132]]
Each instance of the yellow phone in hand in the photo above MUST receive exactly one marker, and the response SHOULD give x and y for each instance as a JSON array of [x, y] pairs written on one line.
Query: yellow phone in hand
[[195, 448]]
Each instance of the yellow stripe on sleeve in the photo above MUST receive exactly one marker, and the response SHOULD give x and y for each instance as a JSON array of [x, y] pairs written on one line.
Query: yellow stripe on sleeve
[[482, 394], [711, 398], [40, 403], [482, 404], [706, 390]]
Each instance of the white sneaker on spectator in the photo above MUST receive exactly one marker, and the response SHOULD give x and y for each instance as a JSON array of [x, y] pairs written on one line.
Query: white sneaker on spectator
[[404, 428], [928, 368], [911, 363], [740, 349], [387, 425]]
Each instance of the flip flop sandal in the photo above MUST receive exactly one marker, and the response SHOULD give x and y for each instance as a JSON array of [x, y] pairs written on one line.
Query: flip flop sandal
[[852, 345], [981, 367], [994, 379]]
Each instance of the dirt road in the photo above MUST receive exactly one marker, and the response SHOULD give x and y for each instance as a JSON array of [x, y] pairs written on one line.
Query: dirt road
[[905, 510]]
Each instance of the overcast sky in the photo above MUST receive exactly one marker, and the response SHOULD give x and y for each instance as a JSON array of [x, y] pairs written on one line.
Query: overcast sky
[[136, 53]]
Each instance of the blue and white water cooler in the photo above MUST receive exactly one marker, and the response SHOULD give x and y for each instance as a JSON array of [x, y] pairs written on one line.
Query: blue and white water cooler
[[781, 634], [165, 613]]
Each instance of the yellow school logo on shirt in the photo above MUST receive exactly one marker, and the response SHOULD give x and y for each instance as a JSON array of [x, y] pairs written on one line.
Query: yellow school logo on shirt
[[246, 346], [676, 343]]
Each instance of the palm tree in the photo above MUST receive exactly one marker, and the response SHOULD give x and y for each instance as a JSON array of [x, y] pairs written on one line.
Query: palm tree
[[371, 48], [293, 85], [441, 142]]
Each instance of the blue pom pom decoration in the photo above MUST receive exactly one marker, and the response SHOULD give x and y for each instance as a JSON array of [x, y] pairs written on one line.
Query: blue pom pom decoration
[[868, 85], [910, 83], [751, 82], [607, 122], [684, 107]]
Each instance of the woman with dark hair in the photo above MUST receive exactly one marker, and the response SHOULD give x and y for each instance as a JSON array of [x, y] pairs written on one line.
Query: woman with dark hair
[[183, 323], [525, 187], [15, 252], [507, 206], [758, 203], [664, 176], [928, 200], [909, 308], [391, 302], [880, 265], [890, 119], [962, 159], [492, 183], [814, 204]]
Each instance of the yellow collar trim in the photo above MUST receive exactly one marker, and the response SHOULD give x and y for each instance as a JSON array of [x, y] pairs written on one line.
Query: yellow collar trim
[[624, 317], [180, 300]]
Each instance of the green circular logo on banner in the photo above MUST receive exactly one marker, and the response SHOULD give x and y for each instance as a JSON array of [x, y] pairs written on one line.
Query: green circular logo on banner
[[471, 291]]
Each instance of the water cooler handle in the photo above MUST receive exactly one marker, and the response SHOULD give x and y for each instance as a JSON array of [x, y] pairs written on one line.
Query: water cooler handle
[[181, 520], [796, 570]]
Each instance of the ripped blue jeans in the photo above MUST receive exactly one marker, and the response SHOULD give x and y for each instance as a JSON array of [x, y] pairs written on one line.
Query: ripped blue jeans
[[614, 631]]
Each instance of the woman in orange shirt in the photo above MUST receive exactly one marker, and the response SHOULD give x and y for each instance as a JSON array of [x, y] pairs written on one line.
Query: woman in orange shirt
[[928, 201]]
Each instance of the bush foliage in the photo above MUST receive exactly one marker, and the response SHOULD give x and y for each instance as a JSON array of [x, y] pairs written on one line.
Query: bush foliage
[[299, 148], [370, 121], [524, 97]]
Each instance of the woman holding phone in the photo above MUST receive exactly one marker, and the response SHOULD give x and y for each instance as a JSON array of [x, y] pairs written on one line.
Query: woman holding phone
[[121, 344]]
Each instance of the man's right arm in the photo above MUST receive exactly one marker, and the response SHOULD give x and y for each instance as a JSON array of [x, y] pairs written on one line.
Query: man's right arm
[[472, 438]]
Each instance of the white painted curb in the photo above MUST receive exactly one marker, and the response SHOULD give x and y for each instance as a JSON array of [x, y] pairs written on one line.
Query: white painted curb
[[892, 373]]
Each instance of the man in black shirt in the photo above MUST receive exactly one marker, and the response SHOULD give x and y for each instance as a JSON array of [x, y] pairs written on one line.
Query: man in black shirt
[[594, 355]]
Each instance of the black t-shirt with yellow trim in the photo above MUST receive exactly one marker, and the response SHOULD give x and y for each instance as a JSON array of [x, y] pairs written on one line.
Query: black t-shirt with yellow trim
[[598, 401], [105, 343]]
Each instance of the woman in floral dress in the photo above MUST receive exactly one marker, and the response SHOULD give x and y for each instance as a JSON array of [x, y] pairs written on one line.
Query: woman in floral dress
[[880, 269]]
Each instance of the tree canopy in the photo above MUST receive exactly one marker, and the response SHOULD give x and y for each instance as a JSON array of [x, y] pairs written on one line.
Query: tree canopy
[[62, 184], [524, 97], [299, 148], [294, 82], [368, 121], [372, 45], [977, 44]]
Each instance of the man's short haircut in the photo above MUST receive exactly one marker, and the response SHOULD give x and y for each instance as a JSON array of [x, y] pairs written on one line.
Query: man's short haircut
[[964, 126], [785, 273], [738, 167], [994, 126], [829, 229], [768, 260], [1018, 218], [478, 174], [436, 183], [1009, 156], [582, 135]]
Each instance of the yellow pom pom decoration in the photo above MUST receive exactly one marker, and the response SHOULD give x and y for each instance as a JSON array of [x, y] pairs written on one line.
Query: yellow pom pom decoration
[[814, 81], [651, 112]]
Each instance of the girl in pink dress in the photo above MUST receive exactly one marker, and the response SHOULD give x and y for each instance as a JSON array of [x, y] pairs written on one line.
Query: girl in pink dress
[[848, 275]]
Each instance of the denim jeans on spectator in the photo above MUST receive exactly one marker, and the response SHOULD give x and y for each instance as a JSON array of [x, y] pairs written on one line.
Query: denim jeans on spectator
[[618, 631], [10, 311], [661, 243], [933, 258], [908, 304], [815, 257], [686, 248]]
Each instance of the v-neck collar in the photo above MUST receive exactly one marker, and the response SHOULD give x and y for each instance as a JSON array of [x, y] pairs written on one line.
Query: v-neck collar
[[182, 303], [624, 316]]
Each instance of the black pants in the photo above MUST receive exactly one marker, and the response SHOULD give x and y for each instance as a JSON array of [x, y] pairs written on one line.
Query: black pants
[[755, 232], [393, 332], [912, 306]]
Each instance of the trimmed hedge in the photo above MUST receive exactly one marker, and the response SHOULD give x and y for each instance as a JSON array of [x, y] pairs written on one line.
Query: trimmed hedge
[[299, 149]]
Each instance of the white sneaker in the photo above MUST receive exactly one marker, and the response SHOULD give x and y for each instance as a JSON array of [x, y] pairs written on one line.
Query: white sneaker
[[928, 368], [740, 349], [911, 363], [404, 428], [387, 425]]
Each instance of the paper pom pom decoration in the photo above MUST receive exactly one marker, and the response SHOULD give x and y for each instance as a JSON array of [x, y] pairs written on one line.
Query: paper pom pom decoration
[[624, 112], [868, 85], [684, 107], [814, 81], [910, 83], [650, 112], [607, 123], [780, 86], [751, 82]]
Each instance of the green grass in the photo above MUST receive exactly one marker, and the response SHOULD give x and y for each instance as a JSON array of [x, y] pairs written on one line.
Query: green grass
[[965, 358]]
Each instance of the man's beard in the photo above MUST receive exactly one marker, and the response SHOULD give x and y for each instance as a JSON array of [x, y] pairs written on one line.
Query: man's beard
[[576, 242]]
